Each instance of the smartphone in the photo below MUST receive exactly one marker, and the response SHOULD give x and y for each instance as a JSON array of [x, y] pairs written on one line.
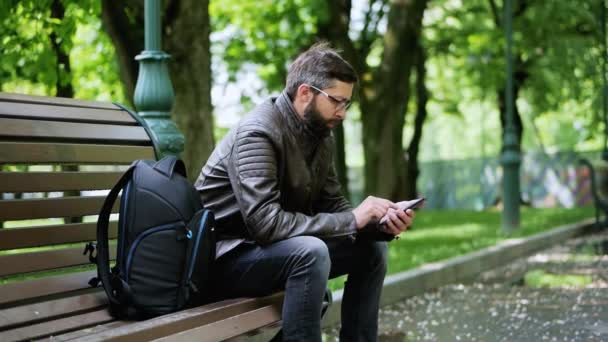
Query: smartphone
[[405, 205], [413, 204]]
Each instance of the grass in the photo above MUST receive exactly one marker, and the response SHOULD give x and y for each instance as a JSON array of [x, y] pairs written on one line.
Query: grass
[[439, 235], [61, 271], [540, 279]]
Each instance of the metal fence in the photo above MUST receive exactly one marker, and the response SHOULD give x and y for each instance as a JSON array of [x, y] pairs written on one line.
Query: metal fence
[[546, 180]]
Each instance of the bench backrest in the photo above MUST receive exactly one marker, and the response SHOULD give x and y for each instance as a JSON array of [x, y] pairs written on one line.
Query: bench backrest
[[55, 154]]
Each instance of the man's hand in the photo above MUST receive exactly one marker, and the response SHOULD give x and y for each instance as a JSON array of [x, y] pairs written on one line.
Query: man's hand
[[371, 208], [398, 221]]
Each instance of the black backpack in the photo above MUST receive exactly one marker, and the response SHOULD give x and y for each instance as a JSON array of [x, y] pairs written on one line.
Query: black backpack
[[166, 243]]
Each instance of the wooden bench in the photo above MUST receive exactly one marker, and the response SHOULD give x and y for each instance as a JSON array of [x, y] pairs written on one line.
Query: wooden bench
[[55, 154], [598, 173]]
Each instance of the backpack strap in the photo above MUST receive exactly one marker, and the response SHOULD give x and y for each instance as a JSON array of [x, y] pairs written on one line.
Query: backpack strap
[[170, 164], [115, 288]]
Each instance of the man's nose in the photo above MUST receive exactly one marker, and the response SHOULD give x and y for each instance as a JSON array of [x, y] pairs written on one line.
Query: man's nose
[[341, 114]]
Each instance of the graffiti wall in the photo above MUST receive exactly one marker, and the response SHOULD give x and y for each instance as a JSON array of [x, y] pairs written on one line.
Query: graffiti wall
[[546, 180]]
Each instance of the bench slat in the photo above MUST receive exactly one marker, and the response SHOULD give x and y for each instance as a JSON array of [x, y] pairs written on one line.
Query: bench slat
[[229, 327], [11, 264], [56, 181], [38, 312], [14, 238], [40, 153], [185, 320], [62, 113], [24, 209], [60, 131], [47, 286], [58, 326], [78, 334], [58, 101]]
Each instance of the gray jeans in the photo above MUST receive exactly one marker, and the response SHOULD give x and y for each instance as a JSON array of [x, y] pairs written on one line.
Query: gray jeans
[[301, 266]]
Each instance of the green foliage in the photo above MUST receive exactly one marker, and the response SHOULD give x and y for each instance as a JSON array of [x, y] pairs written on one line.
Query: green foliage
[[267, 34], [94, 63], [561, 43], [558, 47], [29, 63], [25, 27]]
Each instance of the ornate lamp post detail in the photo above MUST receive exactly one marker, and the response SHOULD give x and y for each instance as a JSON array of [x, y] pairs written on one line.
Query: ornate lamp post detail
[[154, 95], [511, 158]]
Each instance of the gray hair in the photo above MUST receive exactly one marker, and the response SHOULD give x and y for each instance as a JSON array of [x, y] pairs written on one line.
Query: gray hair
[[319, 66]]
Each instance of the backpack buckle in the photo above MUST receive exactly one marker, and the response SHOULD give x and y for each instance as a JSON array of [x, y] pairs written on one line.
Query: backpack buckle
[[89, 248], [93, 282], [186, 235], [193, 287]]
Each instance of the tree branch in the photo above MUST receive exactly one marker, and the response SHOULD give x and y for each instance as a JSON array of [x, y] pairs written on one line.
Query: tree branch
[[63, 84], [523, 5], [335, 30], [495, 14], [369, 36], [401, 38], [422, 97], [127, 33], [367, 21]]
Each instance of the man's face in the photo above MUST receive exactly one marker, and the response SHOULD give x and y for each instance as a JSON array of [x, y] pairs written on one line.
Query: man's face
[[325, 112]]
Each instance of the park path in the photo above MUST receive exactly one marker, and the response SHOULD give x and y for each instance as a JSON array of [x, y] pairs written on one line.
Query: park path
[[499, 306]]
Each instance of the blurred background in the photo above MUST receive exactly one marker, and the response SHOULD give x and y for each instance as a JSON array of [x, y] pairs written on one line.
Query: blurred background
[[429, 113]]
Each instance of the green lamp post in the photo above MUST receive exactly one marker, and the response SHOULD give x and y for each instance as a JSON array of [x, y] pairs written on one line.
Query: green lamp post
[[154, 95], [511, 158]]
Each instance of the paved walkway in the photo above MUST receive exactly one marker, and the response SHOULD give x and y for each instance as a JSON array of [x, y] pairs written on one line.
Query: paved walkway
[[499, 306]]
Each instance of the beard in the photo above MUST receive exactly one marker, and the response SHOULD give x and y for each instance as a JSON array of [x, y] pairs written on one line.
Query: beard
[[315, 123]]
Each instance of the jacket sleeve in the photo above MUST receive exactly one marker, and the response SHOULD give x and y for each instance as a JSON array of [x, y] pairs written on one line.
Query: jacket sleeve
[[331, 199], [254, 180]]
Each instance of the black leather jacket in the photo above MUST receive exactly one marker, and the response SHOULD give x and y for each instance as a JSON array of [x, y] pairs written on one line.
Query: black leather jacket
[[270, 179]]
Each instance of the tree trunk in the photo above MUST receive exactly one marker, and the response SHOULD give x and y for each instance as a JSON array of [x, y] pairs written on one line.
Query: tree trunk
[[335, 30], [187, 40], [124, 23], [422, 96], [185, 34], [520, 77], [384, 102], [503, 113], [384, 91], [63, 85]]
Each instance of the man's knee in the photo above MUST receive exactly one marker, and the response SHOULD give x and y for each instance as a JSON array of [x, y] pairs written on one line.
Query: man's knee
[[313, 252], [376, 252]]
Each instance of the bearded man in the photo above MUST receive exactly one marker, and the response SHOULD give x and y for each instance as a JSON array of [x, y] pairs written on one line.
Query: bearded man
[[281, 220]]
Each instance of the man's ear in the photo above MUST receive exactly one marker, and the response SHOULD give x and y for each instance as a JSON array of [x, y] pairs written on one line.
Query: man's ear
[[304, 93]]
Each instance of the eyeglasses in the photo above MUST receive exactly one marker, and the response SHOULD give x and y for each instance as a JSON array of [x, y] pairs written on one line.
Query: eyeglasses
[[340, 104]]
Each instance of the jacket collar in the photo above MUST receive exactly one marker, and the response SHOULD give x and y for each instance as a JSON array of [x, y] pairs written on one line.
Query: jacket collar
[[295, 122], [307, 138]]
